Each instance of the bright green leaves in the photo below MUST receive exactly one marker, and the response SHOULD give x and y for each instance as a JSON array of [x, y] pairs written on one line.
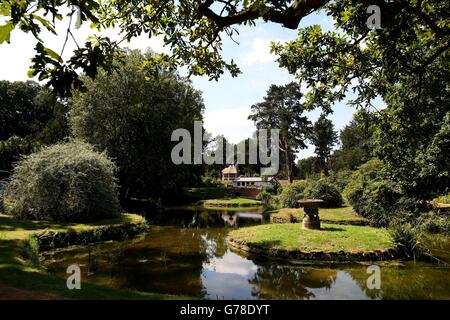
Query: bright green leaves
[[52, 54], [63, 76], [156, 64], [5, 31], [47, 24], [319, 60], [5, 8], [193, 38]]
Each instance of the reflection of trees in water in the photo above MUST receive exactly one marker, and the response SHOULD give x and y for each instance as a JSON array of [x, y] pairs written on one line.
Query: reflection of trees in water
[[213, 244], [287, 282], [409, 281], [173, 260], [202, 218]]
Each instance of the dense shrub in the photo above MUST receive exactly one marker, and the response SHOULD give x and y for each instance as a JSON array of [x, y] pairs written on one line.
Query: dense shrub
[[2, 191], [376, 201], [292, 193], [434, 222], [407, 239], [264, 197], [208, 181], [322, 190], [379, 199], [64, 182], [133, 115], [370, 195], [339, 179], [274, 201], [313, 189], [274, 189]]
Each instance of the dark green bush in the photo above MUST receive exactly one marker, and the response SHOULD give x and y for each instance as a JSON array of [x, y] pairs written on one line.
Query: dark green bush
[[64, 182], [2, 191], [434, 222], [291, 193], [372, 196], [208, 181], [407, 239], [264, 197], [339, 179], [273, 189], [322, 190]]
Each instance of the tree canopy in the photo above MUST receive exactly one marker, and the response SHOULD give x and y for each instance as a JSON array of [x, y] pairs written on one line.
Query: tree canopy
[[282, 109], [194, 30], [133, 119], [405, 63], [30, 117], [356, 142], [323, 138]]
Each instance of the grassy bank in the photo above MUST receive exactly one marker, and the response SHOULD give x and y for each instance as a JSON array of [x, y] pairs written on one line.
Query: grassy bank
[[344, 215], [234, 202], [332, 243], [332, 238], [20, 269]]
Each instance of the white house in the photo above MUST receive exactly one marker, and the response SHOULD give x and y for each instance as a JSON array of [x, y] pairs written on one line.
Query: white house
[[256, 182]]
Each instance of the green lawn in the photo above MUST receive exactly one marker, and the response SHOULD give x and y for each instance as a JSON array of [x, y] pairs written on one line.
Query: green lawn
[[332, 215], [331, 238], [18, 267], [233, 202]]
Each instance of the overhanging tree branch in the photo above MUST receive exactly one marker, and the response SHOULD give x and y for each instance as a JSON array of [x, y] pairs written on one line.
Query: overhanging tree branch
[[289, 18]]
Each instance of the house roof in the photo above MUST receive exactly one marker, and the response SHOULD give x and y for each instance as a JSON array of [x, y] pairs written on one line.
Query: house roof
[[230, 169]]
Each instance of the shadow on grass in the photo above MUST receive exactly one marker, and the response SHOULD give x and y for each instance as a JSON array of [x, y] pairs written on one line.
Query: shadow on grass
[[269, 244], [331, 229], [8, 223]]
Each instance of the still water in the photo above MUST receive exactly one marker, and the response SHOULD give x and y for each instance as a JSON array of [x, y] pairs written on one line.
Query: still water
[[185, 252]]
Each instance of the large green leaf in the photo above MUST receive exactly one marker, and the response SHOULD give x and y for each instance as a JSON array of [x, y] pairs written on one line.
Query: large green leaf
[[53, 54], [5, 31], [46, 24]]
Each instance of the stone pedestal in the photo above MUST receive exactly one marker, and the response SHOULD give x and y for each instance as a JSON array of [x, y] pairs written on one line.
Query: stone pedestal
[[311, 218]]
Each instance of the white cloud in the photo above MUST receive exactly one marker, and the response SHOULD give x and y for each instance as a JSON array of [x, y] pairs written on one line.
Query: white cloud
[[16, 56], [259, 53], [231, 263], [230, 122]]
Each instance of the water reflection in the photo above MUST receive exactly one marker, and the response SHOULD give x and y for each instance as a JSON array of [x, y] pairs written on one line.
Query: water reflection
[[187, 254], [202, 218]]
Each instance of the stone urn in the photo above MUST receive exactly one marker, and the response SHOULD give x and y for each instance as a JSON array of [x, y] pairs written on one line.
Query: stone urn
[[311, 218]]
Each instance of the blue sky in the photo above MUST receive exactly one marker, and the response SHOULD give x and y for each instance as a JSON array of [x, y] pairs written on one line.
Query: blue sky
[[228, 100]]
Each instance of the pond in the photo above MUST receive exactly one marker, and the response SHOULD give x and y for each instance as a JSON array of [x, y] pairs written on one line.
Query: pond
[[185, 253]]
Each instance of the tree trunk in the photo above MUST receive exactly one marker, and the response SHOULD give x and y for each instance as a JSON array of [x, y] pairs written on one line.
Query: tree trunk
[[290, 173], [326, 170]]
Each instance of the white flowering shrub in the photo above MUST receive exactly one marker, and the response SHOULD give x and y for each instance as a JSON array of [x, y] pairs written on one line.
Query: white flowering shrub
[[67, 182]]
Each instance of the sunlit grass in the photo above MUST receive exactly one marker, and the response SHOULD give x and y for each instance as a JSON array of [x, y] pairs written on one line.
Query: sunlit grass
[[344, 214], [331, 238], [231, 202]]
